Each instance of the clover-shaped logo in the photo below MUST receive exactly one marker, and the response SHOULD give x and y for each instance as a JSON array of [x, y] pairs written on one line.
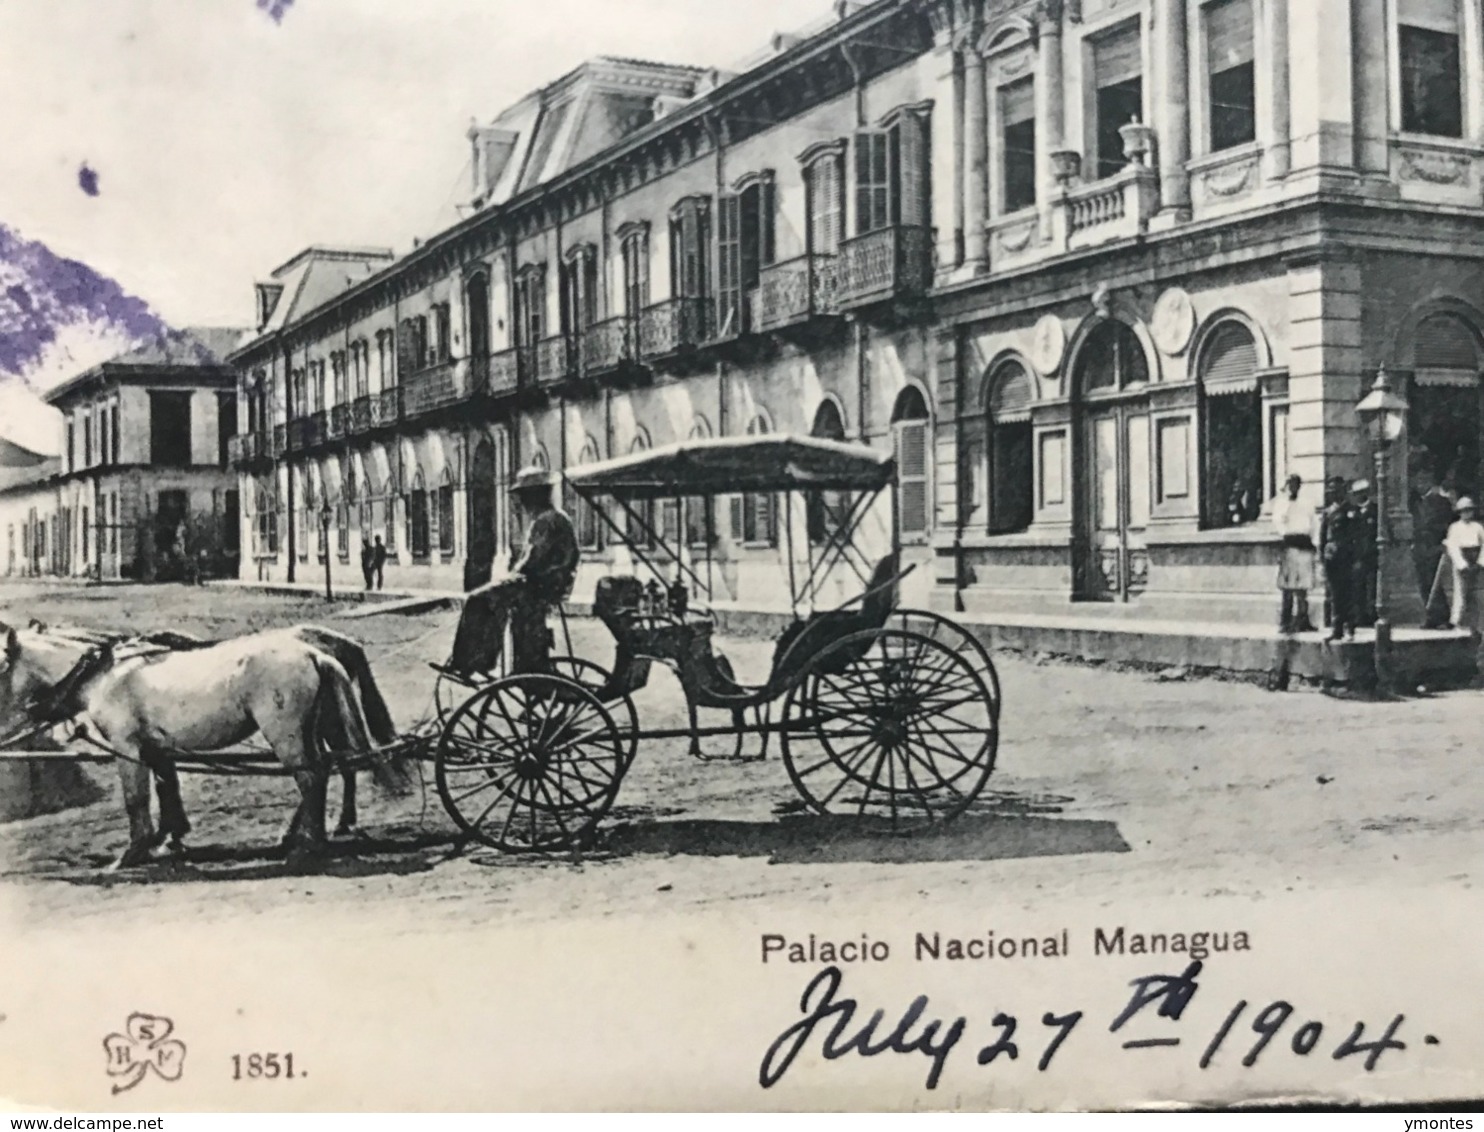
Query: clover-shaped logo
[[146, 1044]]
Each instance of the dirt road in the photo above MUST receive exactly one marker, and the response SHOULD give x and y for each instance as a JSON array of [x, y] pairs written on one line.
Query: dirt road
[[1107, 782]]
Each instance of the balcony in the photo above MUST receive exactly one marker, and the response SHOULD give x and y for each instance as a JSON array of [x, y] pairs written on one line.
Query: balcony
[[1116, 208], [248, 448], [608, 346], [555, 360], [672, 328], [360, 414], [280, 440], [505, 371], [889, 263], [386, 407], [307, 432], [434, 388], [796, 291], [339, 422]]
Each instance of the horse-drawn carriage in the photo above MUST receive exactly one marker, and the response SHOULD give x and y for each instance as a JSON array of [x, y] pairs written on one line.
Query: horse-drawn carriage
[[885, 715]]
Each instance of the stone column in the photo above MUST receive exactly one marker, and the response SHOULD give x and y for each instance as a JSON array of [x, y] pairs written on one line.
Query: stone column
[[1172, 103], [1472, 36], [1050, 110], [1370, 86], [1275, 40], [976, 155], [948, 142], [1321, 106]]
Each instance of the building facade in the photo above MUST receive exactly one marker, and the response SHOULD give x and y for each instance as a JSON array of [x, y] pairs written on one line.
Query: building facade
[[142, 483], [1101, 274]]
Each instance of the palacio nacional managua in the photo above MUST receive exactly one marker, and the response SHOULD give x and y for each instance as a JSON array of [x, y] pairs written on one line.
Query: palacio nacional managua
[[1102, 274]]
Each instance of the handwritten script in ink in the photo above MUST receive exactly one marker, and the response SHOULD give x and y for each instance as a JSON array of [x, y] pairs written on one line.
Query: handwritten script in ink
[[1151, 1019]]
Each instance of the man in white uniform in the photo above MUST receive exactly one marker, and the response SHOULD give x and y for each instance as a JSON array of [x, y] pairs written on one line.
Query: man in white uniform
[[1464, 543], [1294, 522]]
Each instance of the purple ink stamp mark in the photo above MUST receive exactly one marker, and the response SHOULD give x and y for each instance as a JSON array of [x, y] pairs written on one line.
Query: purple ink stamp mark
[[275, 8], [42, 293], [87, 179]]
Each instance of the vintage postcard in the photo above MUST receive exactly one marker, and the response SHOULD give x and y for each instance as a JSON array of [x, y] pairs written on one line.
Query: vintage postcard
[[899, 554]]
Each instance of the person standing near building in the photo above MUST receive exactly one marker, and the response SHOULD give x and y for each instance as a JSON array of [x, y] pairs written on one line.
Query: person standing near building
[[1366, 531], [378, 561], [1464, 544], [1295, 525], [1337, 545], [1432, 515], [368, 564]]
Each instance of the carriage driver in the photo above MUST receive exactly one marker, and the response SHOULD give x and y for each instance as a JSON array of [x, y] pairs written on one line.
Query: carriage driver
[[541, 577]]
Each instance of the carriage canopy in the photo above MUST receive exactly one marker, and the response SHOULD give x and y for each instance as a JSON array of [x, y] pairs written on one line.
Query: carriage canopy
[[732, 464]]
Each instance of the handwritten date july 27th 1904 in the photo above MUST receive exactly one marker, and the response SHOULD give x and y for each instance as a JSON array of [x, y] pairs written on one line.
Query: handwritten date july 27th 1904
[[843, 1026]]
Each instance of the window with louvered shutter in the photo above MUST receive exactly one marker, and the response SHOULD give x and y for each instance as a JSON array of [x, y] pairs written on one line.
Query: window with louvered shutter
[[729, 266], [912, 478], [825, 511], [826, 205], [754, 515], [1018, 143], [1011, 394], [873, 177], [911, 154], [1447, 353], [1230, 74], [690, 237], [1230, 362], [589, 526], [636, 272]]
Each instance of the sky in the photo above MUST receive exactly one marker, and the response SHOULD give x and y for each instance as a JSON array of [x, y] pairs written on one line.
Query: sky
[[219, 141]]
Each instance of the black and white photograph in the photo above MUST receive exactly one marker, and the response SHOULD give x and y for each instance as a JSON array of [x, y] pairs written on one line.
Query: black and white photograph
[[652, 555]]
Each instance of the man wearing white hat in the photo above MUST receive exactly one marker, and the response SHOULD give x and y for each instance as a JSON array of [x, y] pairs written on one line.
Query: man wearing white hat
[[1464, 543], [541, 577]]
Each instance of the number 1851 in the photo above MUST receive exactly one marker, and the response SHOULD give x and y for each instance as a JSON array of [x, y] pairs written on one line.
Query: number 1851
[[262, 1066]]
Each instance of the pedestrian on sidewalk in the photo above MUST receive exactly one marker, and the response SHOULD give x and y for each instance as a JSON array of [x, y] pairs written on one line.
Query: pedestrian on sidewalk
[[1464, 543], [368, 565], [1295, 524], [1432, 515], [378, 561], [1366, 552], [1339, 536]]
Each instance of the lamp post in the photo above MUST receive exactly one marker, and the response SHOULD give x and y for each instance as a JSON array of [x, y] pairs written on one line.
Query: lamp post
[[324, 542], [1384, 415]]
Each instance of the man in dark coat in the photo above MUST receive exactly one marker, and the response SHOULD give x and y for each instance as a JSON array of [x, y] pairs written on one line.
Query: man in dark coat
[[378, 561], [541, 577], [1339, 536], [1366, 551], [1432, 515]]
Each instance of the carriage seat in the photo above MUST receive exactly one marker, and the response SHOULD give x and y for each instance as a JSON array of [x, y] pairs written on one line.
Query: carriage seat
[[821, 629]]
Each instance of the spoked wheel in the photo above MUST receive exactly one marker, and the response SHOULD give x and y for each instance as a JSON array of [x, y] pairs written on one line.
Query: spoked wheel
[[530, 763], [947, 631], [595, 678], [891, 727]]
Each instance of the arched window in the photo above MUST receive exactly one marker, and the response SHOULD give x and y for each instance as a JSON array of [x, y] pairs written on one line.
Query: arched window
[[417, 517], [589, 527], [266, 516], [700, 524], [1111, 360], [1444, 401], [445, 515], [754, 516], [826, 510], [641, 513], [1231, 442], [387, 507], [1010, 479], [910, 427]]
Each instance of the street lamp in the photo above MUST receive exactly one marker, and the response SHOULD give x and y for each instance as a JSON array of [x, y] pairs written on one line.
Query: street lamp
[[1383, 412], [324, 537]]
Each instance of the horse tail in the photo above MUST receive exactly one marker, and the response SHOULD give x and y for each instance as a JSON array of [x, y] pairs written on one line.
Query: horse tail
[[341, 719], [352, 658]]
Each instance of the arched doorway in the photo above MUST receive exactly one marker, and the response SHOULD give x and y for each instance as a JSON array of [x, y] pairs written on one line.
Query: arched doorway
[[1444, 402], [1110, 380], [483, 516]]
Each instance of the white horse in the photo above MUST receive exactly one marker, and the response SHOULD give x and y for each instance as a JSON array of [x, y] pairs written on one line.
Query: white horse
[[288, 685]]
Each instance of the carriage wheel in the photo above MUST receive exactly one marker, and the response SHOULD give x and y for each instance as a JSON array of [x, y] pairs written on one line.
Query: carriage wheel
[[595, 678], [955, 636], [531, 762], [891, 727]]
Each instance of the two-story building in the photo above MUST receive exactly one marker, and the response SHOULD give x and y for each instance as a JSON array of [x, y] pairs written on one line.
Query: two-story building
[[143, 477], [1102, 274]]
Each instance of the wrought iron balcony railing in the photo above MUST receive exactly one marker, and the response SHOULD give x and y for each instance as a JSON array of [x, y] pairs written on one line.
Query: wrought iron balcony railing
[[556, 359], [280, 440], [433, 388], [339, 422], [386, 407], [797, 290], [360, 413], [894, 262], [506, 370], [248, 448], [671, 327], [607, 345]]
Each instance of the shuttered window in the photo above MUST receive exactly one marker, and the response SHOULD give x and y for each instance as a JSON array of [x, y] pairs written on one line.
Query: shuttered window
[[690, 239], [729, 266], [826, 205], [1232, 436], [754, 516], [589, 526], [1447, 353], [1230, 74], [1011, 394], [636, 271], [873, 181], [1118, 80], [913, 171], [1018, 143], [912, 478], [1230, 364]]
